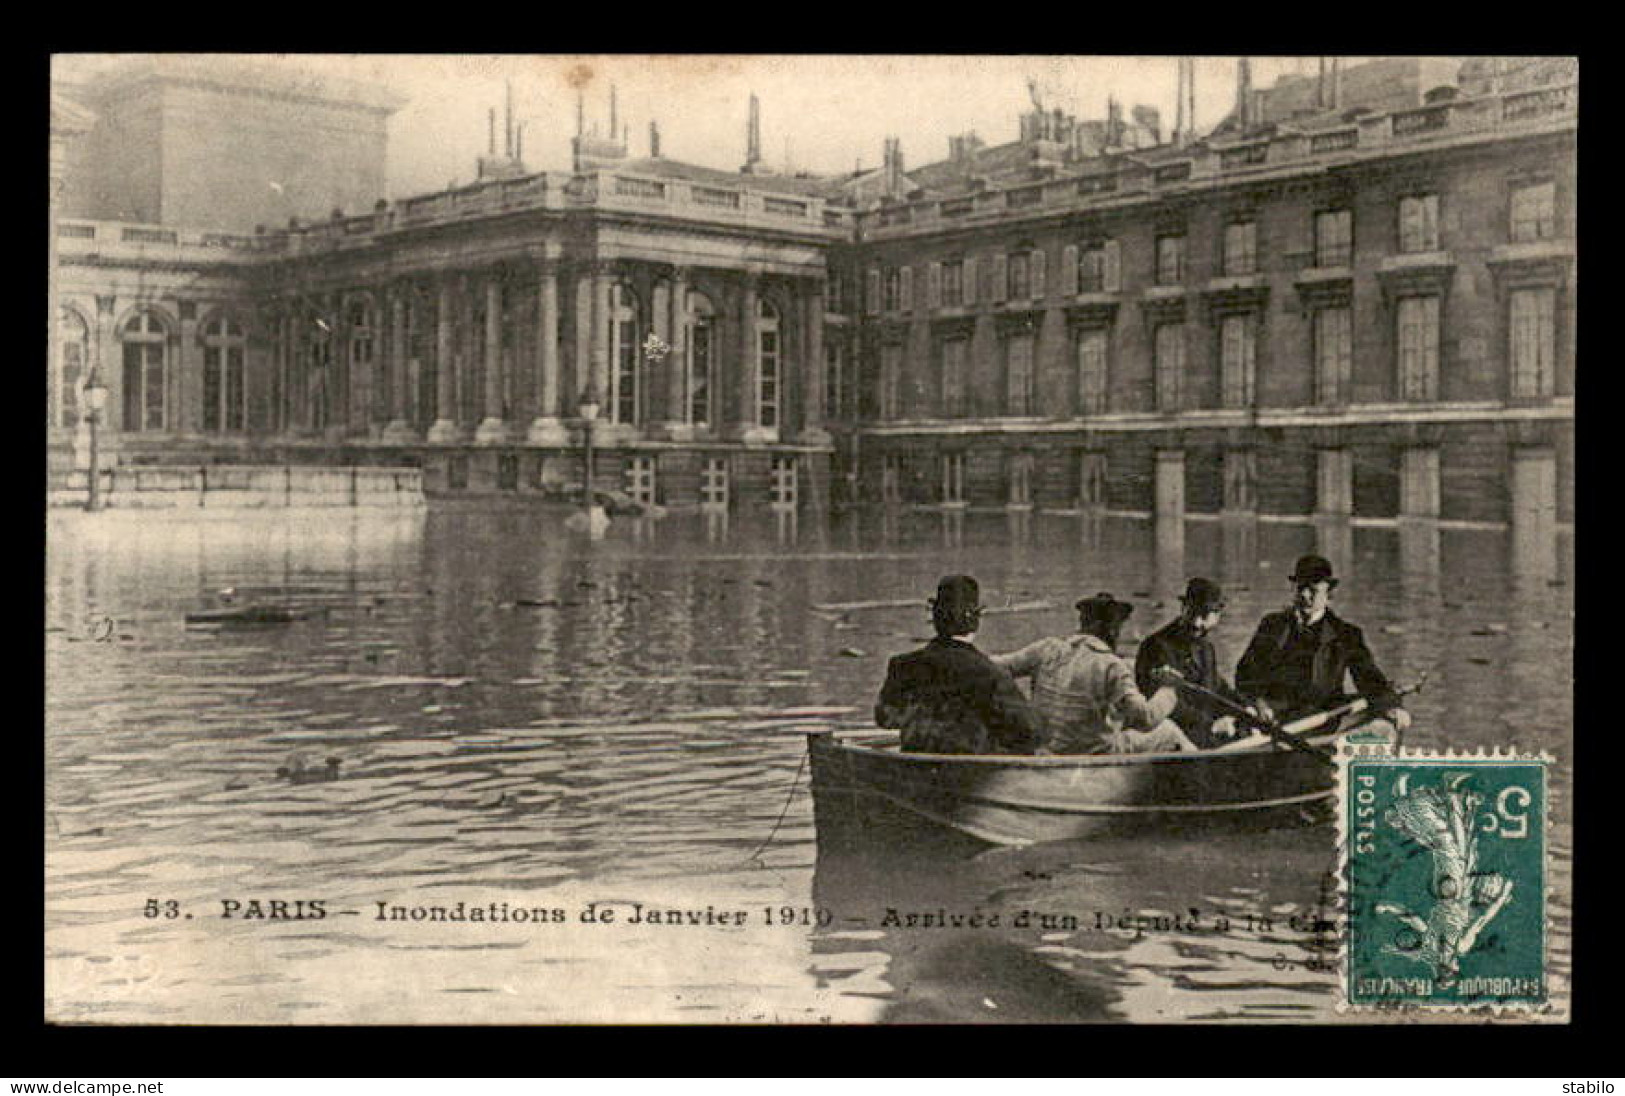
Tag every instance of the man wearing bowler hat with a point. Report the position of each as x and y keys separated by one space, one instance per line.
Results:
x=1086 y=695
x=948 y=697
x=1299 y=658
x=1183 y=646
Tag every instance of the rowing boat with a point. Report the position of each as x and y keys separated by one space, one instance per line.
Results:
x=863 y=783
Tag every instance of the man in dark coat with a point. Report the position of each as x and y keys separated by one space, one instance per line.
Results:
x=1183 y=645
x=948 y=697
x=1299 y=658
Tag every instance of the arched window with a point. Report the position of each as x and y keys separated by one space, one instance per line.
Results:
x=701 y=343
x=624 y=352
x=72 y=363
x=146 y=367
x=225 y=403
x=768 y=366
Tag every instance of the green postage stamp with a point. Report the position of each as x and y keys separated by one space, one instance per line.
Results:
x=1444 y=876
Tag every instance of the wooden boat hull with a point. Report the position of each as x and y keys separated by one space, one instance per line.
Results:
x=862 y=784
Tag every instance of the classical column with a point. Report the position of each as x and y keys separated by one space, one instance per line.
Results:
x=746 y=426
x=598 y=336
x=813 y=368
x=1169 y=510
x=676 y=424
x=1534 y=511
x=398 y=429
x=546 y=428
x=492 y=429
x=445 y=415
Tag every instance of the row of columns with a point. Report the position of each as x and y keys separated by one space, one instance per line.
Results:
x=593 y=358
x=1534 y=494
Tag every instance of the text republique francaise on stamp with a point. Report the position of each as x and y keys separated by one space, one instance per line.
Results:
x=1445 y=872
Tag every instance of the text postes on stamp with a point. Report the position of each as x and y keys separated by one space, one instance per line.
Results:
x=1445 y=875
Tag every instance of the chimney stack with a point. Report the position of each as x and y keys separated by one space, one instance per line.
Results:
x=1244 y=92
x=491 y=128
x=654 y=140
x=507 y=119
x=613 y=114
x=1337 y=83
x=753 y=135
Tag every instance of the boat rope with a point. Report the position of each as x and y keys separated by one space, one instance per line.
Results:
x=786 y=810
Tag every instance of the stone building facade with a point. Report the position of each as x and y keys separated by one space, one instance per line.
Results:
x=1323 y=308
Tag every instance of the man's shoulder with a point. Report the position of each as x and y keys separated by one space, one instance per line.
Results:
x=1280 y=618
x=1345 y=630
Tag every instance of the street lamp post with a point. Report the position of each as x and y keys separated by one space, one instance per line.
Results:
x=95 y=400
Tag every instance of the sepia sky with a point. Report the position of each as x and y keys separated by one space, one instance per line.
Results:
x=824 y=113
x=820 y=113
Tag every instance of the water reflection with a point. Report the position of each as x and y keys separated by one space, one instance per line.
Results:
x=522 y=715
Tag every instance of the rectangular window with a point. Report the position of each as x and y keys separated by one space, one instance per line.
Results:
x=835 y=292
x=953 y=284
x=1334 y=237
x=714 y=483
x=1419 y=223
x=1169 y=350
x=953 y=479
x=871 y=291
x=891 y=381
x=1018 y=268
x=767 y=380
x=640 y=479
x=1092 y=269
x=1241 y=249
x=782 y=492
x=1092 y=371
x=891 y=479
x=1238 y=340
x=1419 y=348
x=1333 y=354
x=1533 y=331
x=1534 y=212
x=833 y=386
x=894 y=289
x=1018 y=369
x=953 y=378
x=1170 y=260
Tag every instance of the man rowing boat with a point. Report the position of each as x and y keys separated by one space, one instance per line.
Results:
x=1299 y=658
x=1183 y=645
x=1086 y=695
x=948 y=697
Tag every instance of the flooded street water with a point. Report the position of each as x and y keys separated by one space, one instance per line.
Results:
x=522 y=720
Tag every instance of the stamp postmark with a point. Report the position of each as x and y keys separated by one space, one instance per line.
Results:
x=1445 y=880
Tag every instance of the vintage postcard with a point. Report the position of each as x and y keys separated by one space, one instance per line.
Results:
x=810 y=539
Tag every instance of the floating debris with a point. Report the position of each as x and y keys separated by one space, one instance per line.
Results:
x=1394 y=629
x=853 y=652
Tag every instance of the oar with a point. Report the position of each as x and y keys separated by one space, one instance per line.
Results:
x=1269 y=727
x=1314 y=722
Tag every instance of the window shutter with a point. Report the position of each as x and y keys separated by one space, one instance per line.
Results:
x=871 y=291
x=1001 y=274
x=1069 y=270
x=967 y=279
x=1112 y=275
x=905 y=290
x=1040 y=284
x=933 y=285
